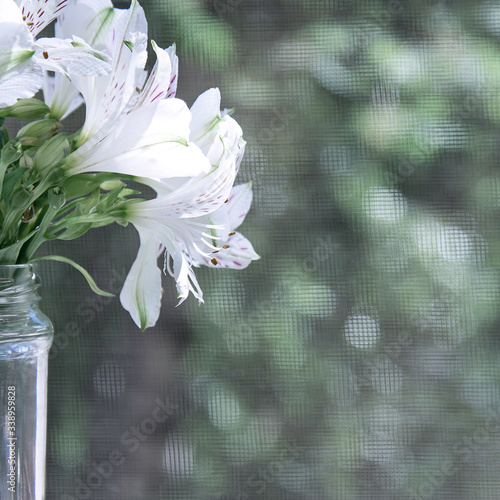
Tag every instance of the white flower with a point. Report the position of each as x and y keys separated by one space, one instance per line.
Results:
x=193 y=219
x=22 y=58
x=171 y=220
x=106 y=98
x=151 y=141
x=93 y=21
x=122 y=34
x=144 y=133
x=189 y=242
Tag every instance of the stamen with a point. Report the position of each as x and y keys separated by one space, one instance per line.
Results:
x=45 y=54
x=214 y=261
x=232 y=233
x=198 y=249
x=226 y=246
x=215 y=251
x=211 y=236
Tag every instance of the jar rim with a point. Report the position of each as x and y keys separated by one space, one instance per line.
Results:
x=16 y=279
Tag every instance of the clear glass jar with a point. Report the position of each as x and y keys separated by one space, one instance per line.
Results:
x=25 y=338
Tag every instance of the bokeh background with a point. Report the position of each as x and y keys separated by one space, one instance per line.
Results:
x=360 y=357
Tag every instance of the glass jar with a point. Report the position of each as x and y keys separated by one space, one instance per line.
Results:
x=25 y=338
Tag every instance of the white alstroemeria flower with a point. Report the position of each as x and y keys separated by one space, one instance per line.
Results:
x=151 y=142
x=121 y=33
x=172 y=221
x=189 y=217
x=208 y=126
x=92 y=21
x=107 y=98
x=189 y=242
x=22 y=58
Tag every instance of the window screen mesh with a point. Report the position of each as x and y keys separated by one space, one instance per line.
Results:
x=360 y=357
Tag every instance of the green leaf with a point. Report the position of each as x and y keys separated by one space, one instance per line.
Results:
x=4 y=136
x=11 y=152
x=77 y=186
x=85 y=273
x=11 y=179
x=108 y=201
x=72 y=232
x=87 y=204
x=9 y=254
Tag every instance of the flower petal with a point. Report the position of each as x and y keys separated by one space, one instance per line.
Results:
x=92 y=21
x=162 y=82
x=149 y=142
x=40 y=13
x=198 y=196
x=14 y=33
x=88 y=19
x=71 y=57
x=185 y=279
x=238 y=204
x=238 y=256
x=206 y=119
x=141 y=292
x=60 y=95
x=20 y=83
x=106 y=98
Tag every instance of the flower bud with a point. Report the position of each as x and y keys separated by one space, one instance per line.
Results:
x=52 y=152
x=112 y=184
x=25 y=109
x=56 y=197
x=34 y=131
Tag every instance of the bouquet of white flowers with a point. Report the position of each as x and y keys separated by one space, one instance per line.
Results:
x=58 y=186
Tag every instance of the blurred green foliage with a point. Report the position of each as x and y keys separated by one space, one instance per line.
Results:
x=359 y=357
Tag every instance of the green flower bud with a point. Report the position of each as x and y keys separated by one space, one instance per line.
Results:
x=34 y=131
x=112 y=184
x=52 y=152
x=25 y=109
x=57 y=197
x=26 y=161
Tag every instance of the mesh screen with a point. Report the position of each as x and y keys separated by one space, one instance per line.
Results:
x=359 y=357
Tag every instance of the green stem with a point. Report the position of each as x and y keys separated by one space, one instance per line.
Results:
x=39 y=236
x=13 y=217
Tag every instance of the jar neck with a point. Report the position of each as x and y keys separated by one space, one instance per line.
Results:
x=18 y=288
